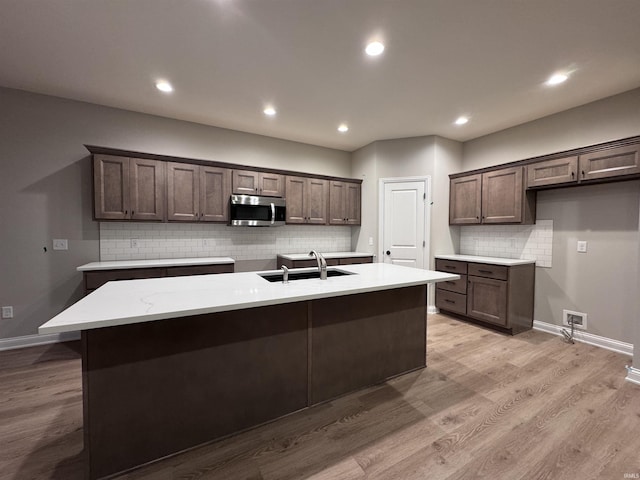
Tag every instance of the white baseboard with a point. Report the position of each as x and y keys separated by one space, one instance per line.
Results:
x=431 y=309
x=33 y=340
x=633 y=375
x=589 y=338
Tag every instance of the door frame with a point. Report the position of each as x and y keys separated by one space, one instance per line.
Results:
x=426 y=257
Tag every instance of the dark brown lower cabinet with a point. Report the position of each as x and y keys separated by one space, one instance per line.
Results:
x=156 y=388
x=331 y=262
x=496 y=295
x=96 y=278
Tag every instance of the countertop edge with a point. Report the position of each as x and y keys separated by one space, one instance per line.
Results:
x=155 y=263
x=486 y=260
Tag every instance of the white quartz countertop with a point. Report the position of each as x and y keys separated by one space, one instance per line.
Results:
x=489 y=260
x=134 y=301
x=162 y=262
x=305 y=256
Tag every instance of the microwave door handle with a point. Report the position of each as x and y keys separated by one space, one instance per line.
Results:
x=273 y=213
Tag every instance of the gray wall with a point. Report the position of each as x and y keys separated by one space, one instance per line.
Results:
x=603 y=282
x=409 y=157
x=45 y=189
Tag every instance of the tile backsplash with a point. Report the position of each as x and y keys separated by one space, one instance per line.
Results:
x=530 y=242
x=141 y=241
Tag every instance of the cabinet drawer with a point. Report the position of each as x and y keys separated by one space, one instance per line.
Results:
x=498 y=272
x=96 y=279
x=199 y=270
x=451 y=266
x=355 y=260
x=451 y=301
x=457 y=286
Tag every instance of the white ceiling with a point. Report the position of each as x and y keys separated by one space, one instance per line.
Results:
x=228 y=58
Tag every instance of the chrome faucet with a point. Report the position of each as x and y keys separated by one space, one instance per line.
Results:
x=285 y=274
x=322 y=264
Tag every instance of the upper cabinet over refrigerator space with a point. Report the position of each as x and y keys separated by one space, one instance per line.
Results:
x=495 y=197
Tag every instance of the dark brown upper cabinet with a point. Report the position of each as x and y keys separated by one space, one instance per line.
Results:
x=610 y=163
x=247 y=182
x=465 y=200
x=495 y=197
x=553 y=172
x=198 y=193
x=344 y=203
x=307 y=200
x=128 y=188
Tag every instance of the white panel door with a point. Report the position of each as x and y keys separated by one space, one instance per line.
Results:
x=404 y=223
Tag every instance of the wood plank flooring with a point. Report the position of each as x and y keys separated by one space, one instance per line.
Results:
x=487 y=406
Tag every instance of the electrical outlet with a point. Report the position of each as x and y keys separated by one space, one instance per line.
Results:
x=7 y=312
x=134 y=243
x=60 y=244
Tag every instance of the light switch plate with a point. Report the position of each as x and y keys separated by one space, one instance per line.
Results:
x=60 y=244
x=7 y=312
x=582 y=246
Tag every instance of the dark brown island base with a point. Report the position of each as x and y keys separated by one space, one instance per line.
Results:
x=156 y=388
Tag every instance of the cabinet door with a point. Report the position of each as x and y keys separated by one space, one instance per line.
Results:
x=183 y=192
x=295 y=192
x=147 y=189
x=245 y=182
x=215 y=190
x=352 y=210
x=337 y=203
x=271 y=185
x=465 y=194
x=502 y=193
x=614 y=162
x=316 y=192
x=487 y=300
x=552 y=172
x=111 y=187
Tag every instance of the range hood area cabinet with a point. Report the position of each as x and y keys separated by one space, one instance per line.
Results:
x=198 y=193
x=128 y=188
x=494 y=197
x=603 y=165
x=307 y=200
x=247 y=182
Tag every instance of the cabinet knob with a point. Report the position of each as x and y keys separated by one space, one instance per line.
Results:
x=573 y=174
x=583 y=173
x=388 y=252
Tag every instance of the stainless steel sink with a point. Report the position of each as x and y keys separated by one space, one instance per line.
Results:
x=293 y=275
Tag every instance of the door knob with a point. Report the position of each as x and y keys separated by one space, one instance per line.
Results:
x=388 y=252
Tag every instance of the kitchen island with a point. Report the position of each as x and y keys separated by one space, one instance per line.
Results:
x=171 y=363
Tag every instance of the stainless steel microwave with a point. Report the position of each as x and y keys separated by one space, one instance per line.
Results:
x=256 y=211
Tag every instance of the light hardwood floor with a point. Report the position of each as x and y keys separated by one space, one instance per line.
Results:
x=487 y=406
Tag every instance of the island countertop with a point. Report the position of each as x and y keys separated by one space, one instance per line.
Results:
x=135 y=301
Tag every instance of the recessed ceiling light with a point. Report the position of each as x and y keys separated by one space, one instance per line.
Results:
x=461 y=120
x=557 y=78
x=269 y=111
x=164 y=86
x=343 y=127
x=374 y=48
